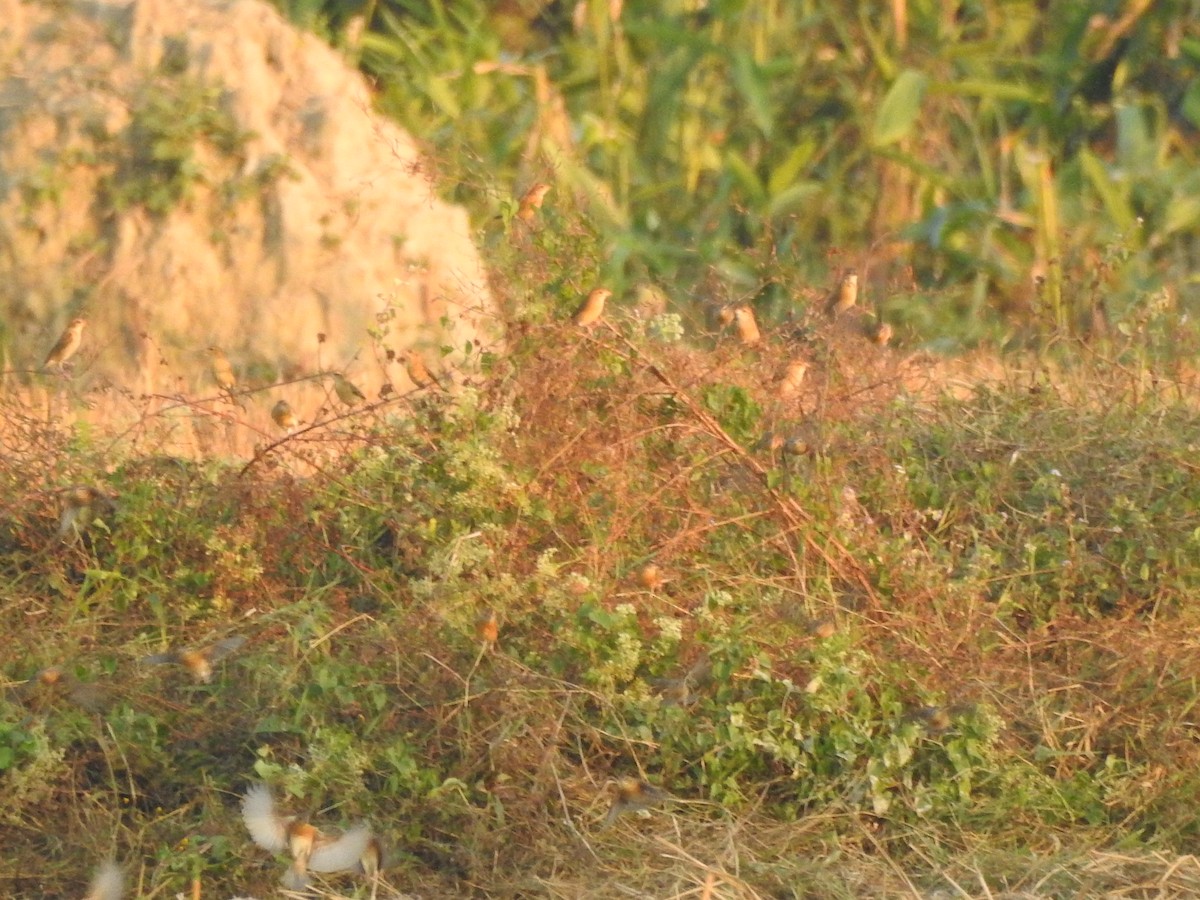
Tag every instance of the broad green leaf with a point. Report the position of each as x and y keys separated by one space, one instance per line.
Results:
x=751 y=84
x=744 y=175
x=789 y=170
x=1116 y=200
x=898 y=112
x=793 y=199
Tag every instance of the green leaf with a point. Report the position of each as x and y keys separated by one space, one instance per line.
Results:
x=1115 y=200
x=750 y=82
x=784 y=174
x=898 y=113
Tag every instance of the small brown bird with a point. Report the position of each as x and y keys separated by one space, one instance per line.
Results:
x=310 y=848
x=878 y=332
x=747 y=327
x=591 y=309
x=417 y=371
x=107 y=884
x=67 y=344
x=82 y=504
x=650 y=577
x=844 y=296
x=199 y=662
x=725 y=316
x=793 y=379
x=53 y=682
x=531 y=202
x=347 y=391
x=222 y=371
x=487 y=627
x=631 y=795
x=823 y=628
x=283 y=416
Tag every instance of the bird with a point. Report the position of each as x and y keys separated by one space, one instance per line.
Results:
x=54 y=681
x=531 y=202
x=310 y=848
x=631 y=795
x=107 y=884
x=487 y=627
x=417 y=371
x=82 y=504
x=68 y=342
x=650 y=576
x=591 y=309
x=844 y=296
x=878 y=332
x=747 y=327
x=283 y=416
x=198 y=661
x=823 y=628
x=346 y=390
x=793 y=378
x=222 y=371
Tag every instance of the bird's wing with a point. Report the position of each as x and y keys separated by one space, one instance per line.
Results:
x=343 y=853
x=225 y=646
x=258 y=812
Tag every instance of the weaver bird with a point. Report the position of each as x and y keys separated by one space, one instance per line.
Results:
x=531 y=202
x=417 y=371
x=591 y=309
x=631 y=795
x=67 y=344
x=222 y=371
x=55 y=681
x=283 y=416
x=310 y=848
x=747 y=327
x=107 y=884
x=82 y=504
x=793 y=378
x=487 y=627
x=198 y=661
x=844 y=296
x=347 y=391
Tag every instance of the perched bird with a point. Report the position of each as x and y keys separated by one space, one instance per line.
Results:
x=222 y=371
x=67 y=344
x=198 y=661
x=347 y=391
x=82 y=504
x=725 y=316
x=107 y=884
x=631 y=795
x=531 y=202
x=793 y=378
x=747 y=327
x=417 y=371
x=310 y=848
x=823 y=628
x=844 y=296
x=591 y=309
x=487 y=627
x=283 y=416
x=650 y=576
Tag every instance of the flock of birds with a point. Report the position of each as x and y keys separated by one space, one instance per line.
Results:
x=358 y=849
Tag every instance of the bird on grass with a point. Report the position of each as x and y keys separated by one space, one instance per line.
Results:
x=531 y=202
x=199 y=662
x=878 y=332
x=650 y=576
x=632 y=794
x=82 y=504
x=107 y=884
x=346 y=390
x=487 y=628
x=793 y=379
x=67 y=344
x=311 y=849
x=591 y=309
x=747 y=327
x=418 y=372
x=283 y=416
x=844 y=296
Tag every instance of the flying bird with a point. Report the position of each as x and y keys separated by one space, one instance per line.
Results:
x=199 y=662
x=67 y=344
x=311 y=849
